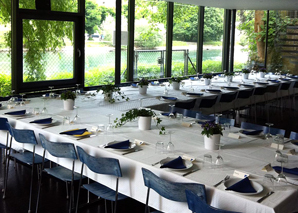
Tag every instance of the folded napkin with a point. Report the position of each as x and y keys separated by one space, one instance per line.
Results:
x=193 y=93
x=20 y=112
x=74 y=132
x=293 y=171
x=294 y=77
x=192 y=78
x=177 y=163
x=285 y=79
x=134 y=85
x=262 y=82
x=42 y=121
x=169 y=98
x=248 y=85
x=154 y=84
x=168 y=113
x=204 y=121
x=231 y=87
x=5 y=98
x=253 y=132
x=120 y=145
x=274 y=81
x=243 y=186
x=214 y=90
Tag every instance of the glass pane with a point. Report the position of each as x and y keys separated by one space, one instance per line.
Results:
x=56 y=5
x=99 y=47
x=48 y=50
x=150 y=39
x=213 y=35
x=185 y=36
x=282 y=54
x=124 y=38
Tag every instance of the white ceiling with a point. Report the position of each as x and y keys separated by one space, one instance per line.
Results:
x=245 y=4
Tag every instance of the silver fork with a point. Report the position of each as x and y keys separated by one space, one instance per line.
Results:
x=225 y=179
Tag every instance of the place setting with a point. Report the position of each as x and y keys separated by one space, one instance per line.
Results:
x=79 y=133
x=19 y=114
x=123 y=146
x=45 y=122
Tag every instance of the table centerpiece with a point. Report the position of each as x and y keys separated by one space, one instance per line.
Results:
x=212 y=133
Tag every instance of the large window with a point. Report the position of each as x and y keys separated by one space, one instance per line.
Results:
x=212 y=38
x=5 y=59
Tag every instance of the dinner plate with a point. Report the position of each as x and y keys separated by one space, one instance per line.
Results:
x=131 y=146
x=188 y=164
x=258 y=187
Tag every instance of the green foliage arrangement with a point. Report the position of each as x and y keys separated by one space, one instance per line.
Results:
x=229 y=73
x=68 y=95
x=143 y=82
x=245 y=71
x=262 y=70
x=109 y=89
x=207 y=75
x=133 y=114
x=211 y=128
x=176 y=79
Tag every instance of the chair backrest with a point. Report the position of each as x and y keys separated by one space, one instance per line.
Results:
x=272 y=88
x=196 y=204
x=294 y=135
x=227 y=120
x=274 y=131
x=246 y=125
x=3 y=125
x=208 y=102
x=295 y=85
x=171 y=190
x=204 y=117
x=285 y=86
x=186 y=104
x=22 y=135
x=244 y=94
x=58 y=149
x=108 y=166
x=259 y=91
x=228 y=97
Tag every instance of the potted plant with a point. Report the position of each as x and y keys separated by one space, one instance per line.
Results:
x=108 y=91
x=143 y=86
x=207 y=77
x=175 y=82
x=68 y=98
x=262 y=72
x=144 y=122
x=212 y=133
x=245 y=73
x=229 y=76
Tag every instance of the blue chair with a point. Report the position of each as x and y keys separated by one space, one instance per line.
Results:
x=60 y=150
x=273 y=131
x=3 y=127
x=186 y=104
x=106 y=166
x=30 y=158
x=294 y=135
x=208 y=103
x=223 y=120
x=227 y=98
x=196 y=204
x=170 y=190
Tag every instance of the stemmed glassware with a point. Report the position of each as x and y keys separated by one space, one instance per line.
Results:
x=279 y=139
x=110 y=126
x=76 y=118
x=191 y=89
x=44 y=109
x=171 y=115
x=22 y=102
x=282 y=159
x=166 y=92
x=219 y=159
x=51 y=94
x=170 y=146
x=268 y=135
x=78 y=91
x=141 y=103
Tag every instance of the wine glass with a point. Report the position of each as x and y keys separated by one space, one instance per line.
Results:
x=279 y=139
x=51 y=94
x=171 y=115
x=191 y=89
x=170 y=146
x=78 y=91
x=282 y=159
x=268 y=135
x=22 y=102
x=219 y=159
x=110 y=126
x=166 y=92
x=76 y=118
x=141 y=103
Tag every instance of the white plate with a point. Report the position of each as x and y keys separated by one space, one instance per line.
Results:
x=188 y=164
x=258 y=187
x=131 y=146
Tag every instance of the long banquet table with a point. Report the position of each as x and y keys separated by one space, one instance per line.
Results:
x=247 y=154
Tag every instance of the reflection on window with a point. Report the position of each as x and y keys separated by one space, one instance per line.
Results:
x=56 y=5
x=48 y=50
x=213 y=35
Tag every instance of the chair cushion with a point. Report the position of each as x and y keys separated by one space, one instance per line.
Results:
x=103 y=191
x=26 y=157
x=62 y=173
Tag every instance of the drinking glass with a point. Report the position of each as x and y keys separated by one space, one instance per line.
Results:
x=76 y=118
x=100 y=129
x=191 y=89
x=78 y=91
x=36 y=111
x=170 y=145
x=208 y=161
x=159 y=147
x=279 y=139
x=282 y=159
x=141 y=103
x=171 y=115
x=219 y=159
x=51 y=94
x=22 y=102
x=110 y=126
x=227 y=126
x=166 y=92
x=269 y=181
x=268 y=135
x=44 y=109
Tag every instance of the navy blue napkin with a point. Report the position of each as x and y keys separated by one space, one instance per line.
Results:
x=248 y=85
x=204 y=121
x=177 y=163
x=20 y=112
x=193 y=93
x=5 y=98
x=42 y=121
x=253 y=132
x=134 y=85
x=120 y=145
x=214 y=90
x=169 y=98
x=294 y=77
x=262 y=83
x=231 y=87
x=293 y=171
x=285 y=79
x=274 y=81
x=154 y=84
x=192 y=78
x=74 y=132
x=168 y=113
x=243 y=186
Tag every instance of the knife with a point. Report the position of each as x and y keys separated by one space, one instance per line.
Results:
x=265 y=196
x=191 y=171
x=131 y=151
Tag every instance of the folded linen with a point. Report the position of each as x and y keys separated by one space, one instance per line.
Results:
x=168 y=113
x=19 y=112
x=254 y=132
x=74 y=132
x=285 y=79
x=214 y=90
x=231 y=88
x=177 y=163
x=194 y=93
x=293 y=171
x=242 y=186
x=120 y=145
x=169 y=98
x=42 y=121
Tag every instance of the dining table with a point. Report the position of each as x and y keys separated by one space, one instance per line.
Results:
x=242 y=154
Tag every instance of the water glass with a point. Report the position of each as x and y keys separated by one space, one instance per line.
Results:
x=159 y=147
x=66 y=120
x=36 y=111
x=101 y=128
x=208 y=161
x=179 y=117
